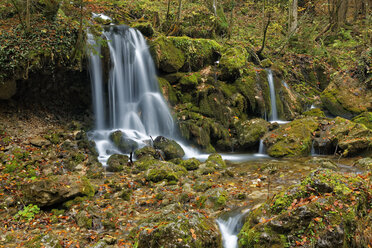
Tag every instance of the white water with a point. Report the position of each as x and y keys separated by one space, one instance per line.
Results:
x=135 y=105
x=274 y=112
x=230 y=228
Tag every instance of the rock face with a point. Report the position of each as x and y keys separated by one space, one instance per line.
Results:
x=291 y=139
x=250 y=132
x=170 y=148
x=311 y=209
x=7 y=89
x=178 y=230
x=56 y=189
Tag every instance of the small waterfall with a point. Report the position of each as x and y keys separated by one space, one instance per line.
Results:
x=274 y=112
x=136 y=107
x=261 y=148
x=230 y=228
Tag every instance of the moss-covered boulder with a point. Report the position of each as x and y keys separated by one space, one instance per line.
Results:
x=232 y=63
x=365 y=119
x=291 y=139
x=124 y=144
x=183 y=53
x=216 y=159
x=165 y=171
x=117 y=162
x=170 y=148
x=189 y=81
x=343 y=136
x=216 y=198
x=146 y=151
x=166 y=56
x=365 y=163
x=346 y=97
x=324 y=210
x=168 y=229
x=56 y=189
x=250 y=132
x=315 y=112
x=190 y=164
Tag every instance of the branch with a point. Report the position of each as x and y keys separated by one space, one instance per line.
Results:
x=259 y=53
x=18 y=13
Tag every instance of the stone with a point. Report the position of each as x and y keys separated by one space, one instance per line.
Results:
x=39 y=141
x=232 y=62
x=250 y=132
x=190 y=164
x=124 y=144
x=117 y=162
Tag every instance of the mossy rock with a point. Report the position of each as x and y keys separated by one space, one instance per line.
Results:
x=145 y=28
x=315 y=112
x=346 y=97
x=145 y=163
x=190 y=164
x=232 y=63
x=291 y=139
x=365 y=119
x=217 y=160
x=250 y=132
x=168 y=229
x=117 y=162
x=170 y=148
x=305 y=209
x=189 y=82
x=165 y=171
x=146 y=151
x=124 y=144
x=43 y=240
x=84 y=220
x=169 y=92
x=166 y=56
x=365 y=163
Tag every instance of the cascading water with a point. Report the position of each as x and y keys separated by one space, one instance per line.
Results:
x=135 y=105
x=274 y=112
x=230 y=228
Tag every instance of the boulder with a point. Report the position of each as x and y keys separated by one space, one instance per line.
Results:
x=190 y=164
x=117 y=162
x=145 y=28
x=315 y=112
x=217 y=160
x=250 y=132
x=39 y=141
x=178 y=230
x=124 y=144
x=165 y=171
x=56 y=189
x=364 y=163
x=315 y=212
x=146 y=151
x=291 y=139
x=232 y=63
x=170 y=148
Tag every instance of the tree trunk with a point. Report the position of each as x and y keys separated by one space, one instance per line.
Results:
x=168 y=9
x=231 y=18
x=215 y=8
x=342 y=12
x=293 y=16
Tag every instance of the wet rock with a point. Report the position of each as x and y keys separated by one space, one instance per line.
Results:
x=178 y=230
x=170 y=148
x=117 y=162
x=39 y=141
x=250 y=132
x=56 y=189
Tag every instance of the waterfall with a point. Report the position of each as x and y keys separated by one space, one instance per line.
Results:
x=135 y=104
x=274 y=112
x=230 y=228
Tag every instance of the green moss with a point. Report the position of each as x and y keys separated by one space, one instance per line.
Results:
x=232 y=63
x=365 y=119
x=189 y=81
x=191 y=164
x=315 y=112
x=169 y=92
x=87 y=189
x=217 y=160
x=160 y=174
